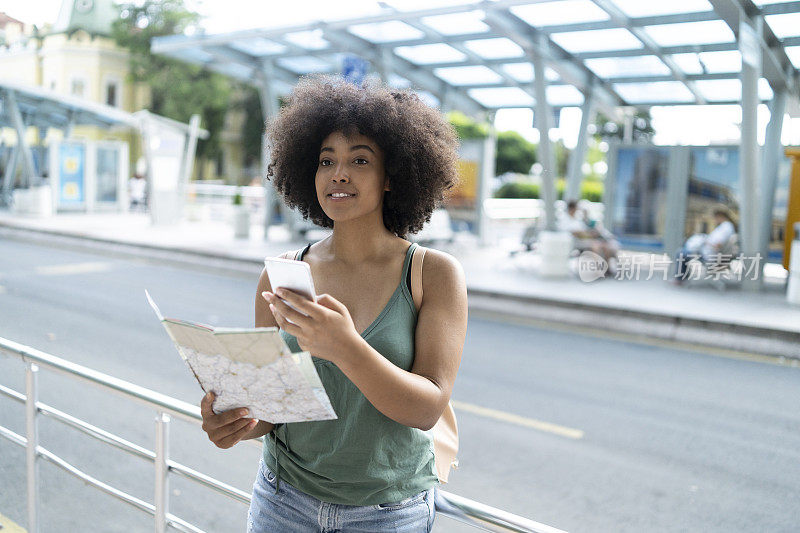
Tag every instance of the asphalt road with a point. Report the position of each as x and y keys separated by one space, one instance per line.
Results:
x=582 y=432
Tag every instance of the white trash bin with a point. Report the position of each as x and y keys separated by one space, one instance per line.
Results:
x=793 y=290
x=554 y=249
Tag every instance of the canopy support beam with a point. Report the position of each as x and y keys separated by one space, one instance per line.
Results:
x=25 y=150
x=578 y=156
x=487 y=175
x=748 y=150
x=269 y=109
x=770 y=160
x=546 y=156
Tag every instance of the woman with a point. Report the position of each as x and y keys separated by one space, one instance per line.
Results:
x=371 y=163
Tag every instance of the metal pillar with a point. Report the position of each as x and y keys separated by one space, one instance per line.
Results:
x=546 y=155
x=748 y=151
x=187 y=165
x=384 y=64
x=41 y=136
x=488 y=155
x=770 y=159
x=269 y=109
x=32 y=445
x=25 y=150
x=627 y=130
x=10 y=175
x=578 y=156
x=161 y=497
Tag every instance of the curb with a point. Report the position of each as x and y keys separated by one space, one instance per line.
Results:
x=664 y=326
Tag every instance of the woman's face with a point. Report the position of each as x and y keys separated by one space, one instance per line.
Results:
x=350 y=179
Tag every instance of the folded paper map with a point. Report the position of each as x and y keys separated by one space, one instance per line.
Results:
x=250 y=368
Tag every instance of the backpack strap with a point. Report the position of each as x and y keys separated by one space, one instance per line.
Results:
x=416 y=276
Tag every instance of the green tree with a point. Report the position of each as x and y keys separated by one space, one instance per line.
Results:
x=514 y=153
x=178 y=89
x=253 y=125
x=466 y=127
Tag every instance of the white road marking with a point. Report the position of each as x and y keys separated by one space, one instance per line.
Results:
x=73 y=268
x=547 y=427
x=9 y=526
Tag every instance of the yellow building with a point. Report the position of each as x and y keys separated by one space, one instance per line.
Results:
x=78 y=57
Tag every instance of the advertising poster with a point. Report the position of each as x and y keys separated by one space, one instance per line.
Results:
x=639 y=209
x=107 y=174
x=713 y=184
x=72 y=169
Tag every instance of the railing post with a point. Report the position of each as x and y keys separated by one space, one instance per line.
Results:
x=31 y=449
x=162 y=471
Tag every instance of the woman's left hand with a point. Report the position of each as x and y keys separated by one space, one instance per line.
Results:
x=325 y=328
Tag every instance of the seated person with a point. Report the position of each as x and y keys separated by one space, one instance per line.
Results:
x=704 y=247
x=589 y=235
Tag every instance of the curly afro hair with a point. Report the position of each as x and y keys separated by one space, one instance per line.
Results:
x=419 y=145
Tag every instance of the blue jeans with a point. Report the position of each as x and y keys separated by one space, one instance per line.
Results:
x=291 y=510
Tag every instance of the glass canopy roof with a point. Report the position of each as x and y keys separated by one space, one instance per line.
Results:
x=478 y=56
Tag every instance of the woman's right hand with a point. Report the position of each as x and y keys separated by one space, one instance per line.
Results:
x=228 y=428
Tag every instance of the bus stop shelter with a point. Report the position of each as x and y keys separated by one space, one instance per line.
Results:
x=24 y=106
x=616 y=56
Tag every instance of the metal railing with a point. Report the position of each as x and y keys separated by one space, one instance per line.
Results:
x=456 y=507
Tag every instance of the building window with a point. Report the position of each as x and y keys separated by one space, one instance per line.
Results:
x=78 y=88
x=112 y=94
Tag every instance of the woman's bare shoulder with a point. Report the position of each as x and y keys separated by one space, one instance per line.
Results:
x=440 y=270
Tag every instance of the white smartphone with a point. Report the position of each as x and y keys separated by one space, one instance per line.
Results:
x=292 y=275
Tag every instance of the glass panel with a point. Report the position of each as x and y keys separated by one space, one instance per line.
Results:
x=414 y=5
x=468 y=75
x=787 y=25
x=615 y=67
x=196 y=55
x=560 y=12
x=495 y=48
x=564 y=95
x=640 y=8
x=107 y=173
x=235 y=70
x=386 y=32
x=655 y=92
x=304 y=65
x=430 y=53
x=720 y=90
x=258 y=47
x=764 y=90
x=428 y=98
x=502 y=97
x=688 y=63
x=705 y=32
x=597 y=40
x=457 y=23
x=310 y=40
x=398 y=82
x=523 y=72
x=794 y=55
x=716 y=62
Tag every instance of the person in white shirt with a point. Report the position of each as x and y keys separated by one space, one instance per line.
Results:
x=589 y=235
x=137 y=189
x=705 y=248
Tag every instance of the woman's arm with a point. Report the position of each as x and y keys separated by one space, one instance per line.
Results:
x=414 y=398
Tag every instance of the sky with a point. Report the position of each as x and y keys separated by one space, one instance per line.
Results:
x=715 y=123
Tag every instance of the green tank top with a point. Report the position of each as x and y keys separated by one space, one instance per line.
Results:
x=363 y=457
